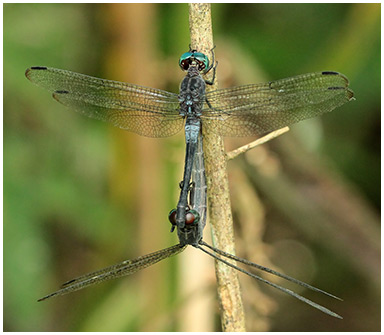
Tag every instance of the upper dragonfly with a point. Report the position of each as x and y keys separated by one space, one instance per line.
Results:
x=238 y=111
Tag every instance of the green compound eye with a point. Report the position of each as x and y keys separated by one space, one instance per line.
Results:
x=188 y=58
x=202 y=59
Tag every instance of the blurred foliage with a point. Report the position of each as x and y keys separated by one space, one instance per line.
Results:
x=60 y=216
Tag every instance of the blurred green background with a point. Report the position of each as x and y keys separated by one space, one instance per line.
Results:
x=80 y=195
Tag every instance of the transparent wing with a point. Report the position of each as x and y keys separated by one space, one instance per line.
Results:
x=145 y=111
x=261 y=108
x=283 y=289
x=125 y=268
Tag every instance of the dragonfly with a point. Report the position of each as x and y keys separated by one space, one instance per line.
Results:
x=190 y=234
x=238 y=111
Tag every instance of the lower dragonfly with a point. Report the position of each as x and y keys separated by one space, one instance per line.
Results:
x=238 y=111
x=190 y=234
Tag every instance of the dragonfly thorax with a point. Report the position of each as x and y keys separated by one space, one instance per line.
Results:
x=192 y=231
x=192 y=93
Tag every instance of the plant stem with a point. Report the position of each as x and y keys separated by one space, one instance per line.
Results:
x=232 y=312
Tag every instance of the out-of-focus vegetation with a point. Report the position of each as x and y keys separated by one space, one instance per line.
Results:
x=80 y=195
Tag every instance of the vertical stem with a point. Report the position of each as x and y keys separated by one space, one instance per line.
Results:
x=232 y=312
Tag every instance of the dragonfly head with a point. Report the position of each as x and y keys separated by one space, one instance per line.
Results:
x=194 y=58
x=191 y=232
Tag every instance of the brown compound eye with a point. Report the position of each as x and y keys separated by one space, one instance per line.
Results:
x=201 y=66
x=192 y=217
x=184 y=64
x=172 y=217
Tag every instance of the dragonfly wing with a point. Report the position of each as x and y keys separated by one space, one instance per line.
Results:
x=145 y=111
x=261 y=108
x=125 y=268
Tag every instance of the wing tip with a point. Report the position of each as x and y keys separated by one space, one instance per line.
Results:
x=335 y=73
x=34 y=68
x=45 y=298
x=350 y=94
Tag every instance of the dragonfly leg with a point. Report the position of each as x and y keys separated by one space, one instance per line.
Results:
x=190 y=185
x=210 y=82
x=208 y=103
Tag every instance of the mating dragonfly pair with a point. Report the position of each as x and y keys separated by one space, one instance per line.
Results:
x=238 y=111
